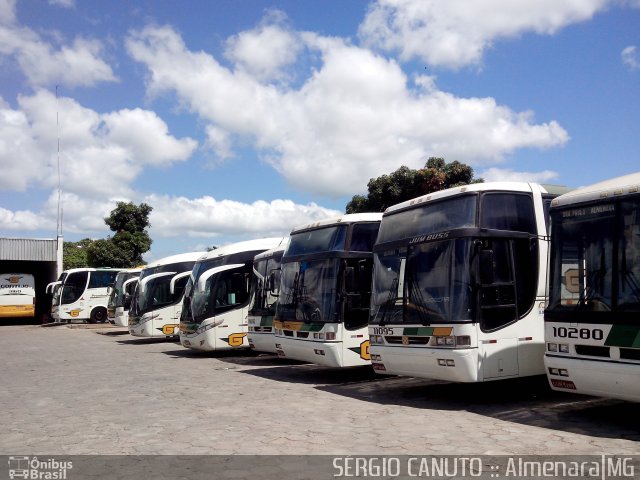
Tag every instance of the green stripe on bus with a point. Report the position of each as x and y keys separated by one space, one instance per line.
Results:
x=623 y=336
x=418 y=331
x=311 y=327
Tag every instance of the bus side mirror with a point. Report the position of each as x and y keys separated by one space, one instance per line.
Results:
x=274 y=282
x=487 y=267
x=127 y=301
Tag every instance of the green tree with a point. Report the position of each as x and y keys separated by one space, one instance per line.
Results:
x=74 y=254
x=405 y=184
x=130 y=241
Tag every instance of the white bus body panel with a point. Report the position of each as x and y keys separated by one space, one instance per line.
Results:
x=592 y=377
x=162 y=322
x=17 y=295
x=513 y=351
x=261 y=341
x=611 y=376
x=229 y=332
x=350 y=349
x=121 y=317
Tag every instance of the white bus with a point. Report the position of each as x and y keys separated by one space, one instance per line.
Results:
x=459 y=283
x=17 y=295
x=217 y=298
x=120 y=295
x=592 y=323
x=157 y=301
x=265 y=292
x=82 y=295
x=325 y=291
x=53 y=289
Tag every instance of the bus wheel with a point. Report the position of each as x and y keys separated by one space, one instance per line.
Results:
x=98 y=315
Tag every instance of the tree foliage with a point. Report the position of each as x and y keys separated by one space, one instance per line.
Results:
x=131 y=239
x=405 y=184
x=74 y=254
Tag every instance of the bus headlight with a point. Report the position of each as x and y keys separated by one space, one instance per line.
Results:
x=552 y=347
x=563 y=347
x=446 y=341
x=463 y=341
x=330 y=336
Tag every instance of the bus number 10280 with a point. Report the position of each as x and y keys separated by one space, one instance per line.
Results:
x=582 y=333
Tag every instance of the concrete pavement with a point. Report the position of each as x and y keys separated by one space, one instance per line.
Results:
x=77 y=391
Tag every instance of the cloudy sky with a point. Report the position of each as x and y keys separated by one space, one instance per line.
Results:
x=237 y=119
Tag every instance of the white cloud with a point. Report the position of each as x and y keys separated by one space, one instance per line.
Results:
x=77 y=64
x=630 y=57
x=7 y=12
x=509 y=175
x=22 y=158
x=208 y=217
x=357 y=116
x=265 y=51
x=100 y=154
x=172 y=217
x=454 y=33
x=63 y=3
x=24 y=220
x=147 y=137
x=219 y=141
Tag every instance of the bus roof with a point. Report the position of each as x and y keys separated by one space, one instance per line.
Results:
x=613 y=188
x=131 y=270
x=258 y=244
x=274 y=251
x=92 y=269
x=339 y=220
x=181 y=257
x=477 y=187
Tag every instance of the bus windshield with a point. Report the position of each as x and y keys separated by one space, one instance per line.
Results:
x=156 y=292
x=596 y=258
x=73 y=288
x=216 y=288
x=424 y=284
x=265 y=287
x=116 y=299
x=320 y=240
x=308 y=291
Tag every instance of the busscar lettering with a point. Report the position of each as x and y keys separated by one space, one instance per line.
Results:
x=427 y=238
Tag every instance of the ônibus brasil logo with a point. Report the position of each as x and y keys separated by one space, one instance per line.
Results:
x=33 y=468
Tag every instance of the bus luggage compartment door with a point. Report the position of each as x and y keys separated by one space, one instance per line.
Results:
x=499 y=358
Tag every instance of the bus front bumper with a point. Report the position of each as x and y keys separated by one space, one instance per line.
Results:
x=328 y=354
x=590 y=377
x=456 y=365
x=262 y=342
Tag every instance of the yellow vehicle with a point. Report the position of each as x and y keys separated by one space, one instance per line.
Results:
x=17 y=295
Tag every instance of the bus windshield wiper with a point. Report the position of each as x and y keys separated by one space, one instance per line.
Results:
x=392 y=299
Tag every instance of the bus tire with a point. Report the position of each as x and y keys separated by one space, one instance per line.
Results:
x=98 y=315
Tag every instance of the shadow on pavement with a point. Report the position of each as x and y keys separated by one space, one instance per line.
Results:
x=243 y=357
x=527 y=401
x=315 y=374
x=145 y=341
